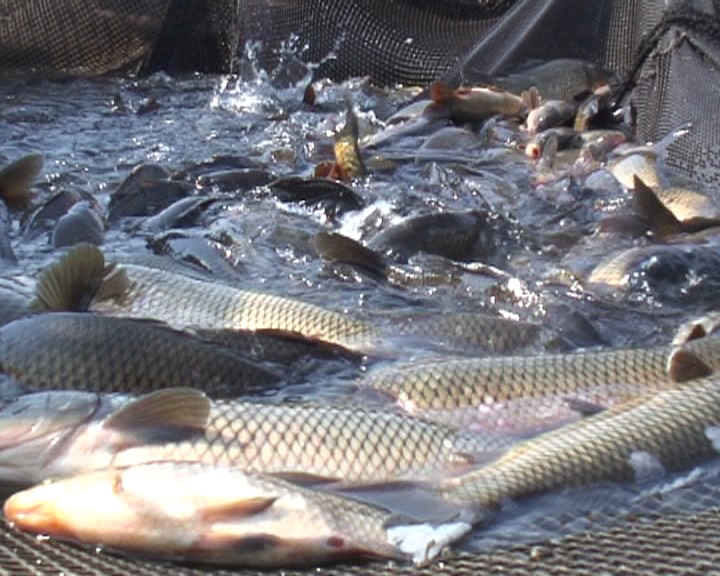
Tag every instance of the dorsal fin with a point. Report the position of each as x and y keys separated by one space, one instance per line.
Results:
x=165 y=415
x=338 y=248
x=647 y=204
x=683 y=365
x=178 y=407
x=71 y=283
x=16 y=178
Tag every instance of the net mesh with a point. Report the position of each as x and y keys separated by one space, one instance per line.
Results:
x=670 y=52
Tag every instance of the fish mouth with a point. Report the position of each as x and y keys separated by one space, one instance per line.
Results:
x=25 y=512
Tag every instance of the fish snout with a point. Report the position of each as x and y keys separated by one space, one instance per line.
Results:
x=24 y=510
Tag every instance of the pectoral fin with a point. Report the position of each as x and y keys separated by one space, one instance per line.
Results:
x=683 y=365
x=165 y=415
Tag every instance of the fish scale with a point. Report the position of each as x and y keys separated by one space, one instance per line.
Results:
x=672 y=426
x=349 y=444
x=186 y=302
x=523 y=393
x=100 y=354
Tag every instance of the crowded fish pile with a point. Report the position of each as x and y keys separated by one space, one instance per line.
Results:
x=255 y=325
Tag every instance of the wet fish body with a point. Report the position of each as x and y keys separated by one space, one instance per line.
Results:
x=345 y=444
x=668 y=273
x=549 y=114
x=53 y=434
x=168 y=510
x=644 y=438
x=103 y=354
x=187 y=302
x=348 y=162
x=524 y=395
x=477 y=104
x=559 y=79
x=462 y=236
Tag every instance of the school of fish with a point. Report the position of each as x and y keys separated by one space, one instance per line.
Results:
x=155 y=406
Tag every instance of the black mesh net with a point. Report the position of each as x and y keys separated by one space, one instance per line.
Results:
x=669 y=53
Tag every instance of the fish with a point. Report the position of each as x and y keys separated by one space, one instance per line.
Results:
x=212 y=514
x=549 y=114
x=81 y=224
x=558 y=79
x=146 y=191
x=461 y=236
x=189 y=302
x=523 y=395
x=348 y=162
x=628 y=161
x=343 y=445
x=333 y=197
x=53 y=434
x=16 y=178
x=597 y=103
x=561 y=136
x=476 y=104
x=94 y=353
x=644 y=438
x=680 y=273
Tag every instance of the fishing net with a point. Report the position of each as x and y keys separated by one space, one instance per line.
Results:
x=667 y=54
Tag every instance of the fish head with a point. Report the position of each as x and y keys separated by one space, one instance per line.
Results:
x=92 y=508
x=34 y=428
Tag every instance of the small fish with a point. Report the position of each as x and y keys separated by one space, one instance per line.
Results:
x=524 y=394
x=210 y=514
x=562 y=137
x=549 y=114
x=16 y=178
x=146 y=191
x=668 y=431
x=477 y=104
x=81 y=224
x=629 y=161
x=333 y=197
x=598 y=102
x=348 y=162
x=649 y=207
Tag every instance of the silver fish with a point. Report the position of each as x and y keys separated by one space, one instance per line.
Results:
x=211 y=514
x=52 y=434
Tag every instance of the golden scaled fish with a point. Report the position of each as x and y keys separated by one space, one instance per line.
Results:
x=527 y=394
x=189 y=302
x=211 y=514
x=636 y=441
x=59 y=433
x=348 y=445
x=348 y=162
x=96 y=353
x=472 y=105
